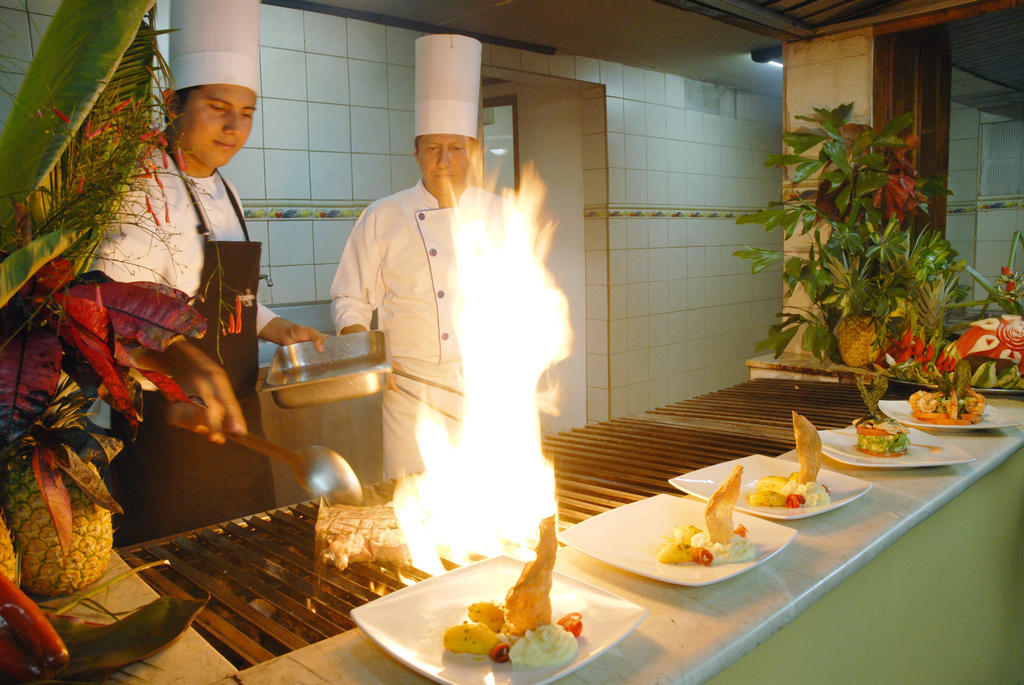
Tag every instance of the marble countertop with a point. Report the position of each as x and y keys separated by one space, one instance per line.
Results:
x=693 y=633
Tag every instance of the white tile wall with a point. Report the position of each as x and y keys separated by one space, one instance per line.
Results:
x=670 y=313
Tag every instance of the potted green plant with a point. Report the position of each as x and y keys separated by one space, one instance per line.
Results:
x=871 y=248
x=79 y=128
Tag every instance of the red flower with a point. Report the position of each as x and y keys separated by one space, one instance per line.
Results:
x=1006 y=271
x=1010 y=285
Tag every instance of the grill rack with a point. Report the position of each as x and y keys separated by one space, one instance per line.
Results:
x=266 y=599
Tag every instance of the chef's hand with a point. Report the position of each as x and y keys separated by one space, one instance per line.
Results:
x=215 y=409
x=284 y=332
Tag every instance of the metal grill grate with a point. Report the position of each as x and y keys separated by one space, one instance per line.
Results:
x=266 y=599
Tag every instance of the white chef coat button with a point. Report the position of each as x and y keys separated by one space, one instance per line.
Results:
x=421 y=216
x=440 y=293
x=444 y=336
x=433 y=252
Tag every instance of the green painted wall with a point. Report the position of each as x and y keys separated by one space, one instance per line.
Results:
x=944 y=604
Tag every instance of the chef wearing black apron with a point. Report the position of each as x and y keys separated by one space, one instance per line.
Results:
x=192 y=235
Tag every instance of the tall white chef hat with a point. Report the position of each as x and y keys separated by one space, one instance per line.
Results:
x=447 y=84
x=217 y=41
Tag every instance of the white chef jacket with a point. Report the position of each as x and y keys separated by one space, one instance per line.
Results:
x=400 y=260
x=160 y=242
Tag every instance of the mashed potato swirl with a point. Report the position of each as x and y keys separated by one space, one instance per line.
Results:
x=544 y=646
x=738 y=548
x=813 y=493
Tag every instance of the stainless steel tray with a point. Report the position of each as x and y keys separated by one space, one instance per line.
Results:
x=351 y=366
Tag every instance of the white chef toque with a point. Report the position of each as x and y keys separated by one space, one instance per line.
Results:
x=217 y=41
x=447 y=85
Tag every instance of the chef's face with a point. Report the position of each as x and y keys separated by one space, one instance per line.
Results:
x=214 y=123
x=444 y=161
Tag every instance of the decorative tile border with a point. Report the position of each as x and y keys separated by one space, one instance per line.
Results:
x=271 y=209
x=275 y=210
x=621 y=212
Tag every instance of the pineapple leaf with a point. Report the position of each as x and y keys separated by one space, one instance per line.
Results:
x=55 y=493
x=88 y=480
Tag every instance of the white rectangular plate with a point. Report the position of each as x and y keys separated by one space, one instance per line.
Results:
x=925 y=450
x=703 y=483
x=409 y=623
x=630 y=536
x=991 y=418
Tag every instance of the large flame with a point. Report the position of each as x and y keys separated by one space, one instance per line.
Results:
x=485 y=491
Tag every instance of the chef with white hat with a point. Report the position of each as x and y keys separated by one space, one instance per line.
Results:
x=187 y=230
x=400 y=257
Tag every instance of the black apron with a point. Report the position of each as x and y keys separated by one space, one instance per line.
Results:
x=169 y=479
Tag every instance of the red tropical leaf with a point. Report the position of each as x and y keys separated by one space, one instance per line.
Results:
x=51 y=277
x=150 y=314
x=164 y=384
x=55 y=494
x=83 y=329
x=29 y=372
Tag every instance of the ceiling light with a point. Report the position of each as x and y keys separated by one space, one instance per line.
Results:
x=772 y=55
x=498 y=151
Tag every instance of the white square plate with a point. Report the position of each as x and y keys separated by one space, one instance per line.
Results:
x=924 y=450
x=409 y=623
x=630 y=536
x=991 y=418
x=703 y=483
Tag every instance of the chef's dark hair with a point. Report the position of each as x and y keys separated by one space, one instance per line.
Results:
x=176 y=103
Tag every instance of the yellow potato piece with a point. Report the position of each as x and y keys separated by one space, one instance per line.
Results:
x=770 y=484
x=685 y=533
x=675 y=553
x=488 y=613
x=766 y=499
x=470 y=638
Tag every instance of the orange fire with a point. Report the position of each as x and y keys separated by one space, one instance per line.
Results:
x=485 y=491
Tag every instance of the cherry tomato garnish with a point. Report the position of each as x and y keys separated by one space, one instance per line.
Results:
x=741 y=530
x=500 y=652
x=794 y=501
x=702 y=556
x=573 y=623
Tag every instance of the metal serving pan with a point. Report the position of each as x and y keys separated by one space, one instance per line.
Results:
x=351 y=366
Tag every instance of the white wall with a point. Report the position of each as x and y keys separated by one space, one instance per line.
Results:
x=550 y=135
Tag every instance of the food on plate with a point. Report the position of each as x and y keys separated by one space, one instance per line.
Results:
x=723 y=542
x=471 y=638
x=528 y=602
x=543 y=646
x=779 y=491
x=801 y=488
x=345 y=534
x=490 y=614
x=877 y=434
x=520 y=631
x=955 y=403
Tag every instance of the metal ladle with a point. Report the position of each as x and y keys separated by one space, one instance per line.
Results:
x=319 y=470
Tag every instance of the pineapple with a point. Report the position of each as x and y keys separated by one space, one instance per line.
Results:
x=858 y=339
x=45 y=569
x=61 y=447
x=8 y=557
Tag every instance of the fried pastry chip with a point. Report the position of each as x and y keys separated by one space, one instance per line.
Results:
x=808 y=448
x=528 y=602
x=718 y=513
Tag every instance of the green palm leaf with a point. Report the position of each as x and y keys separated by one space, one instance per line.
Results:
x=73 y=64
